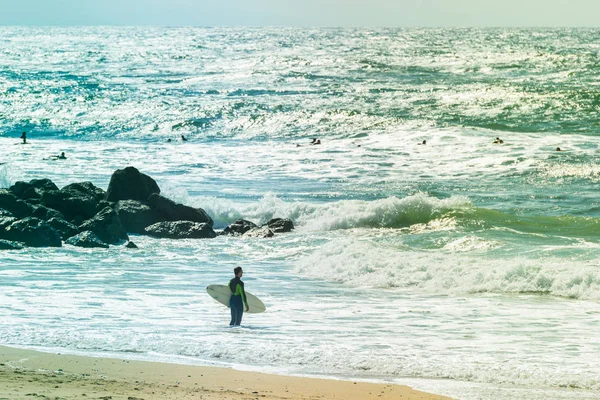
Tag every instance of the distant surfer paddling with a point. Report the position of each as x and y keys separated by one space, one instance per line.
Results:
x=60 y=157
x=238 y=297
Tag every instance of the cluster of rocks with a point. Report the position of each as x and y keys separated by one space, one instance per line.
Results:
x=39 y=214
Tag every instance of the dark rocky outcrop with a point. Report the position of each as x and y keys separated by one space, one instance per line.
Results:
x=74 y=206
x=131 y=245
x=107 y=225
x=85 y=189
x=33 y=188
x=262 y=232
x=43 y=185
x=135 y=215
x=280 y=225
x=168 y=210
x=20 y=188
x=87 y=239
x=25 y=191
x=65 y=229
x=181 y=230
x=130 y=184
x=33 y=232
x=10 y=245
x=14 y=205
x=44 y=213
x=38 y=213
x=239 y=227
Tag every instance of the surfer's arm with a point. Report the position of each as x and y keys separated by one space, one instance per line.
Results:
x=243 y=294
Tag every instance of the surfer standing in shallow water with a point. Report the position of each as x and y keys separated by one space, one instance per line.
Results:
x=238 y=297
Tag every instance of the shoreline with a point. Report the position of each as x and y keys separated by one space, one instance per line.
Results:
x=26 y=374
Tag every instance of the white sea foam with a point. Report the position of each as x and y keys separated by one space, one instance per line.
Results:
x=390 y=212
x=454 y=270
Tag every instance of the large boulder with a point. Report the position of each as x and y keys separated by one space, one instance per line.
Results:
x=20 y=188
x=130 y=184
x=168 y=210
x=87 y=239
x=43 y=184
x=107 y=225
x=135 y=215
x=85 y=189
x=280 y=225
x=262 y=232
x=65 y=229
x=9 y=245
x=44 y=213
x=239 y=227
x=33 y=188
x=16 y=206
x=76 y=207
x=25 y=191
x=181 y=230
x=33 y=232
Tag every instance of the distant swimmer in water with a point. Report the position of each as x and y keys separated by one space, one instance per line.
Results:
x=183 y=139
x=423 y=143
x=312 y=142
x=24 y=137
x=60 y=157
x=558 y=149
x=498 y=141
x=168 y=140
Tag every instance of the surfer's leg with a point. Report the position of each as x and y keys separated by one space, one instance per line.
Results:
x=240 y=313
x=233 y=316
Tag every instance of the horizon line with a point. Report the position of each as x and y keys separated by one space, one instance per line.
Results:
x=302 y=26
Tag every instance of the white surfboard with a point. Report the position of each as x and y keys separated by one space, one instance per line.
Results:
x=222 y=294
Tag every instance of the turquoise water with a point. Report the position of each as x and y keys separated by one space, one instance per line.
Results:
x=460 y=266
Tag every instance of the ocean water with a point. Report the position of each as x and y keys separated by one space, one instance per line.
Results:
x=462 y=267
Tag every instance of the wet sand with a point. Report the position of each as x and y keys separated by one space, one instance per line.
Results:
x=34 y=375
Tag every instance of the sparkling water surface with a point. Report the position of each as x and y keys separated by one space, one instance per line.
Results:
x=461 y=266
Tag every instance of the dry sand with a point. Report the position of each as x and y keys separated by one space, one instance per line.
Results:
x=33 y=375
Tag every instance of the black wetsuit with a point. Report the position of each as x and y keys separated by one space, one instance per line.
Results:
x=237 y=300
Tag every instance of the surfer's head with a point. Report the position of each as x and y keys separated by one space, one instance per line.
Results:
x=238 y=271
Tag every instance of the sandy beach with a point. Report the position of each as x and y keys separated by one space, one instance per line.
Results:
x=26 y=374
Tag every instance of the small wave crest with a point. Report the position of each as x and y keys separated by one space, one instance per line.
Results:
x=391 y=212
